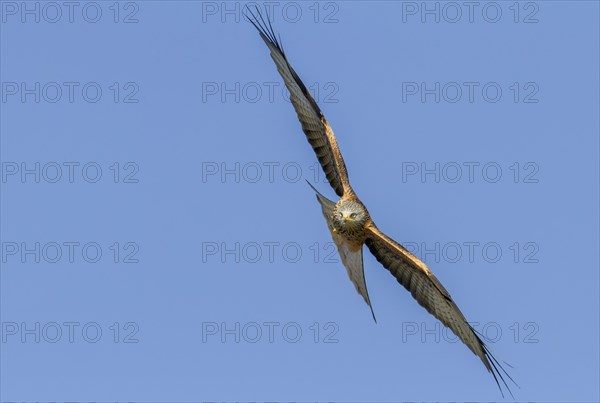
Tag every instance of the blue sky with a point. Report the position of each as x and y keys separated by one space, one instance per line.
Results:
x=159 y=241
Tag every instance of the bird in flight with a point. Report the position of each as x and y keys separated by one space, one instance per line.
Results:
x=350 y=223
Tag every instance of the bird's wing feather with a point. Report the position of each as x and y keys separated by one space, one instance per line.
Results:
x=351 y=255
x=416 y=277
x=315 y=126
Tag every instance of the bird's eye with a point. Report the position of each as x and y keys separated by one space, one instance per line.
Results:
x=353 y=215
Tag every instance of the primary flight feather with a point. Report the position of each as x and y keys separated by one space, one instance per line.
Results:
x=350 y=223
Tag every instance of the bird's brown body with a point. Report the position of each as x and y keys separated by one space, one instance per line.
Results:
x=351 y=225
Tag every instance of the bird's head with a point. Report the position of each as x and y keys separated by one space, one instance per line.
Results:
x=350 y=214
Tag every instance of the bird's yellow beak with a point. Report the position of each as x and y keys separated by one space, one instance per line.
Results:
x=345 y=217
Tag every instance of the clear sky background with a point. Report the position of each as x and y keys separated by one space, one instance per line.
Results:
x=159 y=241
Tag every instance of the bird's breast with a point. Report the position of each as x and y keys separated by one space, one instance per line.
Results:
x=355 y=234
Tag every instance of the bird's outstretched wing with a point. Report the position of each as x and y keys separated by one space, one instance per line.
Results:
x=416 y=277
x=351 y=255
x=315 y=126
